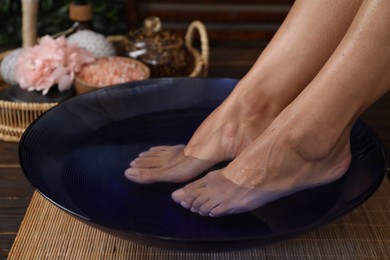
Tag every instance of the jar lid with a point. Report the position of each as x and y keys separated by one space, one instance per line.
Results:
x=80 y=12
x=152 y=36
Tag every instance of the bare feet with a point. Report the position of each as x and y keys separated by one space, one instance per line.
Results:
x=269 y=87
x=274 y=166
x=166 y=164
x=305 y=147
x=221 y=137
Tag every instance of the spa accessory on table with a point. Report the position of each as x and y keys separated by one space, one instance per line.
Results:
x=17 y=112
x=81 y=170
x=29 y=22
x=15 y=117
x=166 y=54
x=110 y=71
x=44 y=75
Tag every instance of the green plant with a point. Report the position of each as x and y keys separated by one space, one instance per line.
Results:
x=109 y=18
x=11 y=14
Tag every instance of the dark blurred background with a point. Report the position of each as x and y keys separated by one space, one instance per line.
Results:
x=109 y=18
x=228 y=22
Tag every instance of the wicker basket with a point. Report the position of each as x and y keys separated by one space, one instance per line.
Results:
x=201 y=58
x=15 y=117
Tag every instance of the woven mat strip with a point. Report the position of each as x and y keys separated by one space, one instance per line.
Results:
x=49 y=233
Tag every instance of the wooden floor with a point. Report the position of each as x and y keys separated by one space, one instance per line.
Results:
x=15 y=191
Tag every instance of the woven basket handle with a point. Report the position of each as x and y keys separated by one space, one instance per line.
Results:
x=199 y=26
x=29 y=22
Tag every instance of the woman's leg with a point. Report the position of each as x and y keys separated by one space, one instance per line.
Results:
x=308 y=143
x=306 y=39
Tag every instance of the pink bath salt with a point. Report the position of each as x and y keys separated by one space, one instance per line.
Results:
x=110 y=71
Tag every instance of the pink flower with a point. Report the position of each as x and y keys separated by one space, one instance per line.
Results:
x=52 y=61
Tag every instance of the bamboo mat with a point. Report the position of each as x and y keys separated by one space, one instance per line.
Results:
x=49 y=233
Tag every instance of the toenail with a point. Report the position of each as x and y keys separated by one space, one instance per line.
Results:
x=184 y=204
x=194 y=210
x=129 y=174
x=202 y=214
x=178 y=193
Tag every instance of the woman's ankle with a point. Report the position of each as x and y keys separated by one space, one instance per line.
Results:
x=313 y=142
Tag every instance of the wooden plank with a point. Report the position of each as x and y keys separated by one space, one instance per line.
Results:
x=11 y=214
x=131 y=14
x=226 y=14
x=13 y=184
x=218 y=33
x=225 y=20
x=232 y=62
x=6 y=241
x=8 y=153
x=15 y=195
x=254 y=2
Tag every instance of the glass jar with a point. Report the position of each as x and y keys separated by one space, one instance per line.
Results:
x=164 y=52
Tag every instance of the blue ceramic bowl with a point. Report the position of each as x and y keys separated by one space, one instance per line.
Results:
x=76 y=153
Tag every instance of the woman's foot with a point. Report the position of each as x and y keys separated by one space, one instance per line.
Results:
x=166 y=164
x=221 y=137
x=270 y=85
x=278 y=163
x=308 y=143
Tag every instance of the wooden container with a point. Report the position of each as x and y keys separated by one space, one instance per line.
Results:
x=112 y=72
